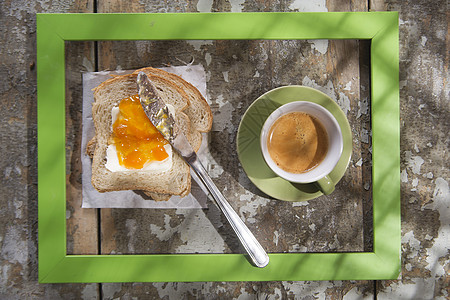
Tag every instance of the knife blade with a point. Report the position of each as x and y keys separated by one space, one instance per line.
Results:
x=160 y=116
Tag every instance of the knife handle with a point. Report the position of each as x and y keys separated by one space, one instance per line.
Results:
x=247 y=239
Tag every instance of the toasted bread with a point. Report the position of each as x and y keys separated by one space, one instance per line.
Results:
x=175 y=181
x=194 y=116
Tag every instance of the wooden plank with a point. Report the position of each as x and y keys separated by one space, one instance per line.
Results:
x=18 y=229
x=424 y=125
x=82 y=223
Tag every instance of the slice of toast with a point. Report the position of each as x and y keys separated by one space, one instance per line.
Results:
x=177 y=180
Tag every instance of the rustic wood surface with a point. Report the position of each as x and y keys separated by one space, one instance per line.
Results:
x=237 y=73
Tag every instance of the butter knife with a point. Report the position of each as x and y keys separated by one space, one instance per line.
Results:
x=159 y=114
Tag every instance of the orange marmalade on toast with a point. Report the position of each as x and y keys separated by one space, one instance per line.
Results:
x=137 y=141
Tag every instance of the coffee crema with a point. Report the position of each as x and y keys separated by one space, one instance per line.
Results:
x=297 y=142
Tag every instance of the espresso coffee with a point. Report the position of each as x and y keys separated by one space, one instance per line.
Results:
x=297 y=142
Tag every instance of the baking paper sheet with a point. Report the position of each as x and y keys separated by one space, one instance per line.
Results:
x=195 y=74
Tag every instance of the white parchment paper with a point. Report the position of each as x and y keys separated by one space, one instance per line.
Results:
x=195 y=74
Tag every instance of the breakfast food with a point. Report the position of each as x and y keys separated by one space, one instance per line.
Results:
x=135 y=144
x=127 y=152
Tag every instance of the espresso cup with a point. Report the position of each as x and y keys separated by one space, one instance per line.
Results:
x=302 y=142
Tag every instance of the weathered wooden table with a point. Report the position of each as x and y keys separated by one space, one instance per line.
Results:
x=237 y=73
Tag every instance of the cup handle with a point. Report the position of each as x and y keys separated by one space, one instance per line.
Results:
x=325 y=184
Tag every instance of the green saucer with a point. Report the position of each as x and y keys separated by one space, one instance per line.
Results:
x=249 y=151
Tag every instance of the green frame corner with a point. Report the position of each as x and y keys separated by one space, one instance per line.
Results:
x=55 y=265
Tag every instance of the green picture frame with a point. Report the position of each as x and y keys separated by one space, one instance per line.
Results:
x=55 y=265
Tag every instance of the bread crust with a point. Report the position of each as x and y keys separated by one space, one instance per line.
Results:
x=198 y=111
x=177 y=180
x=193 y=115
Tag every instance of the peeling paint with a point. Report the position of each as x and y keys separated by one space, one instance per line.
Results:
x=131 y=226
x=214 y=169
x=13 y=247
x=244 y=295
x=423 y=41
x=309 y=211
x=111 y=289
x=88 y=65
x=4 y=271
x=248 y=211
x=348 y=86
x=359 y=163
x=18 y=170
x=276 y=295
x=411 y=244
x=417 y=288
x=320 y=46
x=341 y=99
x=165 y=233
x=276 y=235
x=435 y=76
x=301 y=203
x=429 y=175
x=316 y=289
x=18 y=208
x=363 y=108
x=223 y=115
x=220 y=100
x=441 y=203
x=197 y=44
x=414 y=163
x=408 y=267
x=365 y=135
x=142 y=48
x=187 y=290
x=89 y=291
x=335 y=244
x=403 y=83
x=195 y=222
x=208 y=58
x=309 y=6
x=296 y=248
x=355 y=294
x=7 y=172
x=204 y=5
x=404 y=176
x=237 y=5
x=312 y=6
x=344 y=102
x=261 y=57
x=225 y=76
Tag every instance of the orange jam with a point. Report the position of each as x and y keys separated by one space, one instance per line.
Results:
x=137 y=141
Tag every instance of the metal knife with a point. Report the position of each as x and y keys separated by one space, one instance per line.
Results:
x=162 y=119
